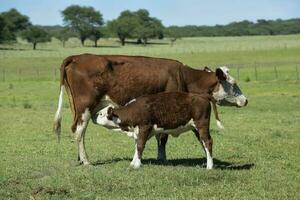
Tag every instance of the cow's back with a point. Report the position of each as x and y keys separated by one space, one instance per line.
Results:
x=134 y=76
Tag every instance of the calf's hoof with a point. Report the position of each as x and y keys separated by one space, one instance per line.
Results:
x=85 y=163
x=209 y=166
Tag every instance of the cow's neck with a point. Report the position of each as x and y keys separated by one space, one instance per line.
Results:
x=199 y=81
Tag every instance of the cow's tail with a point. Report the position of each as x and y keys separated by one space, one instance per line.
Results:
x=219 y=124
x=58 y=114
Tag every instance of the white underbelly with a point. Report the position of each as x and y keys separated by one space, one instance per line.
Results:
x=134 y=131
x=174 y=132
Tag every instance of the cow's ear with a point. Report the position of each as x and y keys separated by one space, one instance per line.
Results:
x=220 y=74
x=207 y=69
x=110 y=113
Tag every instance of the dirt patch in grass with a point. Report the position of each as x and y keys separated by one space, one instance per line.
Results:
x=50 y=191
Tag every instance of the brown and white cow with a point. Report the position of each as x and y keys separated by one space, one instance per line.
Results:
x=168 y=112
x=94 y=82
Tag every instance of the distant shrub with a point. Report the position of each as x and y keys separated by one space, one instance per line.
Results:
x=248 y=79
x=13 y=102
x=27 y=105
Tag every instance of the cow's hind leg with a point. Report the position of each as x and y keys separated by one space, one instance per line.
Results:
x=204 y=137
x=79 y=127
x=161 y=147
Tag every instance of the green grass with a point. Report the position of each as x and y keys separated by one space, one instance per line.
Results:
x=256 y=156
x=245 y=53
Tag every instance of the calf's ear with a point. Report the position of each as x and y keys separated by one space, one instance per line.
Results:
x=220 y=74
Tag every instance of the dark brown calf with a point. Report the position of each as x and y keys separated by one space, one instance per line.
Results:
x=170 y=113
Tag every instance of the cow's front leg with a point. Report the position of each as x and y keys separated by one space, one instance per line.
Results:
x=161 y=146
x=81 y=125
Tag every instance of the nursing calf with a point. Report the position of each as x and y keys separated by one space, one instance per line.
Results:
x=170 y=113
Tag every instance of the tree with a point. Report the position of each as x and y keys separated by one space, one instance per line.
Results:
x=95 y=35
x=124 y=26
x=137 y=24
x=149 y=27
x=3 y=30
x=35 y=35
x=63 y=35
x=14 y=22
x=82 y=20
x=11 y=23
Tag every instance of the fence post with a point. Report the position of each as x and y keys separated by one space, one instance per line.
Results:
x=255 y=70
x=54 y=74
x=20 y=74
x=3 y=75
x=38 y=74
x=275 y=71
x=297 y=72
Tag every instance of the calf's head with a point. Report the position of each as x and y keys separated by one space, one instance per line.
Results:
x=227 y=92
x=106 y=118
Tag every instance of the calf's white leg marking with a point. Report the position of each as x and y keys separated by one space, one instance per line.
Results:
x=80 y=133
x=135 y=156
x=209 y=160
x=136 y=162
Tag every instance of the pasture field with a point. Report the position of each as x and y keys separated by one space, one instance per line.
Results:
x=257 y=156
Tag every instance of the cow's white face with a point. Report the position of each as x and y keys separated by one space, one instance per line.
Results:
x=101 y=119
x=227 y=92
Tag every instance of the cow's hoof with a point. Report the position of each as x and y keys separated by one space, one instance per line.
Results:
x=137 y=164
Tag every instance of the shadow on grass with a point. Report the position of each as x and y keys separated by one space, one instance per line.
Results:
x=103 y=46
x=105 y=162
x=10 y=48
x=16 y=49
x=187 y=162
x=148 y=43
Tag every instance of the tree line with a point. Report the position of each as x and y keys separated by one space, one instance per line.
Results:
x=260 y=27
x=87 y=23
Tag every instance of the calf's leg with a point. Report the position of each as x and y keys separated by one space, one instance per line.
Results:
x=202 y=133
x=161 y=146
x=135 y=156
x=144 y=132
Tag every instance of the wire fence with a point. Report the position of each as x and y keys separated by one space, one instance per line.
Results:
x=250 y=73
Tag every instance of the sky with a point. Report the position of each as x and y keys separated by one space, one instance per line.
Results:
x=170 y=12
